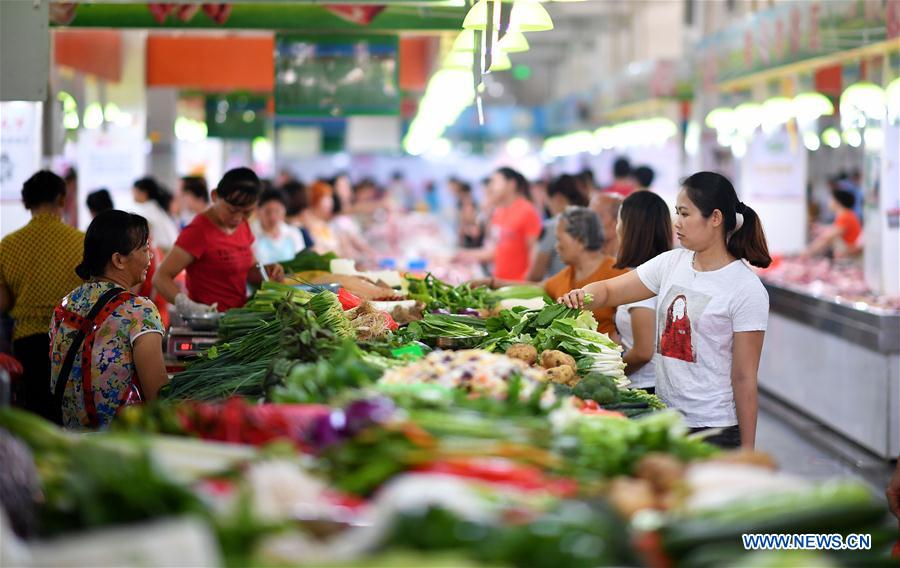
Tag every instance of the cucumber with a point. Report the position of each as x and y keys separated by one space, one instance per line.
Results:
x=626 y=405
x=683 y=535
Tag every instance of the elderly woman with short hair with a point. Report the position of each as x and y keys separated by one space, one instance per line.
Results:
x=579 y=243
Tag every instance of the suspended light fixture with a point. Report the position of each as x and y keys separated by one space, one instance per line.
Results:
x=464 y=60
x=874 y=138
x=721 y=118
x=525 y=16
x=862 y=102
x=93 y=116
x=811 y=141
x=449 y=91
x=831 y=138
x=810 y=106
x=747 y=118
x=511 y=42
x=852 y=137
x=775 y=112
x=514 y=42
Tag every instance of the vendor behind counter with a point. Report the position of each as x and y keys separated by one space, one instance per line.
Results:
x=216 y=251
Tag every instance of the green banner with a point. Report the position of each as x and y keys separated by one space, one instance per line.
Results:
x=793 y=32
x=307 y=18
x=335 y=76
x=235 y=116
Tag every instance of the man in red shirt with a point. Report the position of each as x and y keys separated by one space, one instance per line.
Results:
x=623 y=183
x=515 y=227
x=842 y=237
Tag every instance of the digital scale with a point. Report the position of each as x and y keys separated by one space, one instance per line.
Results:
x=186 y=343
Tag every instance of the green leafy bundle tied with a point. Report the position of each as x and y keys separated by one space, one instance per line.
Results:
x=330 y=315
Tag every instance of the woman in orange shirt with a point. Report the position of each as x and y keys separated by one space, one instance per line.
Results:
x=842 y=237
x=579 y=242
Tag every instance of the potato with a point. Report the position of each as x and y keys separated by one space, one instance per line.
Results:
x=631 y=495
x=524 y=352
x=563 y=374
x=553 y=358
x=662 y=471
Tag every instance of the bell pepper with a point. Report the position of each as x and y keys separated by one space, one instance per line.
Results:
x=348 y=300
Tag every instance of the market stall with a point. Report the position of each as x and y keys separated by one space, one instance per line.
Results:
x=319 y=431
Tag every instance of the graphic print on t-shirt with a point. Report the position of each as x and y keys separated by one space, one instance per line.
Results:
x=682 y=308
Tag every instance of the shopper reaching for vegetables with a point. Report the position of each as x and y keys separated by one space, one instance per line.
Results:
x=216 y=251
x=712 y=309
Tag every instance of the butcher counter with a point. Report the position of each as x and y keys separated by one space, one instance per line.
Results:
x=838 y=363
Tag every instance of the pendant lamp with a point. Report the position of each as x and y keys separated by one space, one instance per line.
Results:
x=465 y=60
x=511 y=42
x=525 y=16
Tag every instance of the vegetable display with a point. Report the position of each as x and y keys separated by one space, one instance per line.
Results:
x=308 y=260
x=303 y=438
x=439 y=295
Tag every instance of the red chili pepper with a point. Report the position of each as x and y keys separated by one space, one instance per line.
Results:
x=502 y=472
x=392 y=325
x=348 y=300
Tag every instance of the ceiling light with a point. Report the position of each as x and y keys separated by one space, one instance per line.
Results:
x=831 y=138
x=464 y=60
x=525 y=16
x=810 y=106
x=862 y=102
x=721 y=118
x=811 y=141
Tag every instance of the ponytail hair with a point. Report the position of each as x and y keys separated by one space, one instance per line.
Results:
x=155 y=192
x=744 y=236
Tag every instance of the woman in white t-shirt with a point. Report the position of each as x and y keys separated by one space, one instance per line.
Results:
x=711 y=310
x=275 y=240
x=152 y=201
x=645 y=232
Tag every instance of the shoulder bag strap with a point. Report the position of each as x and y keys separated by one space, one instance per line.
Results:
x=62 y=379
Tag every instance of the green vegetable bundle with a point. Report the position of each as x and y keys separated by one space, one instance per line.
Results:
x=241 y=366
x=259 y=309
x=94 y=481
x=435 y=326
x=317 y=382
x=330 y=314
x=308 y=261
x=609 y=446
x=436 y=294
x=712 y=536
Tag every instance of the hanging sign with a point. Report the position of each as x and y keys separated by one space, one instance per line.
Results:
x=20 y=146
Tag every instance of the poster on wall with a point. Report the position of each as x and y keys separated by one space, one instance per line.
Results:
x=110 y=160
x=20 y=146
x=774 y=167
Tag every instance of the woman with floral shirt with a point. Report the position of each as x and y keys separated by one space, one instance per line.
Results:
x=106 y=342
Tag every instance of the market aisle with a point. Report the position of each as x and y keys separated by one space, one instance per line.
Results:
x=802 y=447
